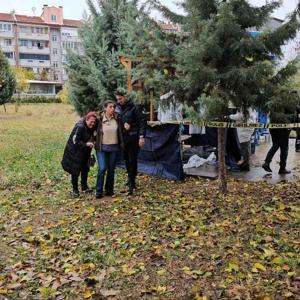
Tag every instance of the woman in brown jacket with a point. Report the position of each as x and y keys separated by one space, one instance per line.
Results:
x=108 y=142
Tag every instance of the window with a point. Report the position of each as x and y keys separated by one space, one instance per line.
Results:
x=53 y=18
x=54 y=38
x=34 y=56
x=7 y=42
x=24 y=29
x=55 y=64
x=55 y=77
x=9 y=54
x=23 y=43
x=54 y=51
x=39 y=30
x=5 y=27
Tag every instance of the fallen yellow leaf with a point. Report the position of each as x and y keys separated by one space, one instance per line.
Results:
x=27 y=229
x=88 y=294
x=259 y=266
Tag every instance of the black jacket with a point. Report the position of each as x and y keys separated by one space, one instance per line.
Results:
x=133 y=115
x=77 y=153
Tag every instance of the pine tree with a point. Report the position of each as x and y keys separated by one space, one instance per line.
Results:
x=97 y=72
x=7 y=81
x=154 y=51
x=221 y=62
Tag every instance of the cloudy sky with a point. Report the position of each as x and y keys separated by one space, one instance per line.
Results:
x=73 y=9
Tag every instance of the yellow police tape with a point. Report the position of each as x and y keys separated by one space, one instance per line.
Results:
x=227 y=124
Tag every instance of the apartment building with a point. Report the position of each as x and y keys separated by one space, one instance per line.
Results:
x=40 y=44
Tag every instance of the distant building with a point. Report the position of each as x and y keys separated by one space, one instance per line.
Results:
x=271 y=25
x=170 y=27
x=40 y=44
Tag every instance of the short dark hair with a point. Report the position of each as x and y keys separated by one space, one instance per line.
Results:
x=120 y=92
x=107 y=102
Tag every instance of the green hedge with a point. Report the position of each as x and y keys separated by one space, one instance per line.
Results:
x=35 y=99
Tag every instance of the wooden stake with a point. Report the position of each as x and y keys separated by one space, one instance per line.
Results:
x=152 y=106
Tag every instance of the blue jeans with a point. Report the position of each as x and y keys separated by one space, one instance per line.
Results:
x=106 y=165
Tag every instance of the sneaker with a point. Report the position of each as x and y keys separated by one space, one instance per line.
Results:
x=74 y=194
x=240 y=162
x=87 y=191
x=266 y=167
x=284 y=171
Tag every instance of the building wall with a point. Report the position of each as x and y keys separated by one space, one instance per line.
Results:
x=55 y=46
x=52 y=15
x=7 y=41
x=39 y=43
x=70 y=41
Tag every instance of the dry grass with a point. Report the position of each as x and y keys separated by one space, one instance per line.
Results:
x=170 y=241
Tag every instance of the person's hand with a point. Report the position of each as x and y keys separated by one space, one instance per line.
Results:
x=141 y=142
x=90 y=144
x=126 y=126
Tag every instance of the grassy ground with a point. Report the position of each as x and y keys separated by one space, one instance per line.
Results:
x=170 y=241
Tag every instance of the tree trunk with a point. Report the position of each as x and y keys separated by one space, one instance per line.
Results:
x=221 y=161
x=4 y=108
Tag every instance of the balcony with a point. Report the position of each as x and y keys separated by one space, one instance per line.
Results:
x=31 y=63
x=5 y=48
x=34 y=50
x=68 y=38
x=33 y=36
x=6 y=34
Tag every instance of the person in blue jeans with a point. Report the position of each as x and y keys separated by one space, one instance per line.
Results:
x=107 y=146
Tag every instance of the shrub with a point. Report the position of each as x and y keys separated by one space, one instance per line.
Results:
x=35 y=99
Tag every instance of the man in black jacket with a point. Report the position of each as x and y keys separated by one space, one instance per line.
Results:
x=133 y=122
x=297 y=120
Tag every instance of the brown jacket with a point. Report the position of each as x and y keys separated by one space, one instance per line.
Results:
x=99 y=136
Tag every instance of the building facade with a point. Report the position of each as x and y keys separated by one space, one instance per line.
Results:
x=40 y=44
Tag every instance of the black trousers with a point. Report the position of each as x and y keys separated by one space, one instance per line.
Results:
x=130 y=154
x=298 y=140
x=84 y=176
x=280 y=139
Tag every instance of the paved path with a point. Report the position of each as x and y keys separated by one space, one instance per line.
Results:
x=257 y=173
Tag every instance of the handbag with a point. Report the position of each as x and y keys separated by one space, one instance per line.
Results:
x=92 y=161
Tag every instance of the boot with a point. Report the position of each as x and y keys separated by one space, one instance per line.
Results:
x=128 y=183
x=131 y=185
x=266 y=167
x=284 y=171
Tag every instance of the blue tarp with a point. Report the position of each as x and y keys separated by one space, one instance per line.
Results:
x=160 y=155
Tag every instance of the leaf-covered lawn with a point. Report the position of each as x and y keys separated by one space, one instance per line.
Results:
x=170 y=241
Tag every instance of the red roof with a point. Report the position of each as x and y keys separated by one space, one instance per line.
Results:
x=6 y=17
x=72 y=23
x=37 y=20
x=30 y=20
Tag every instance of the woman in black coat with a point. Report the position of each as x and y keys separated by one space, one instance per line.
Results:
x=78 y=151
